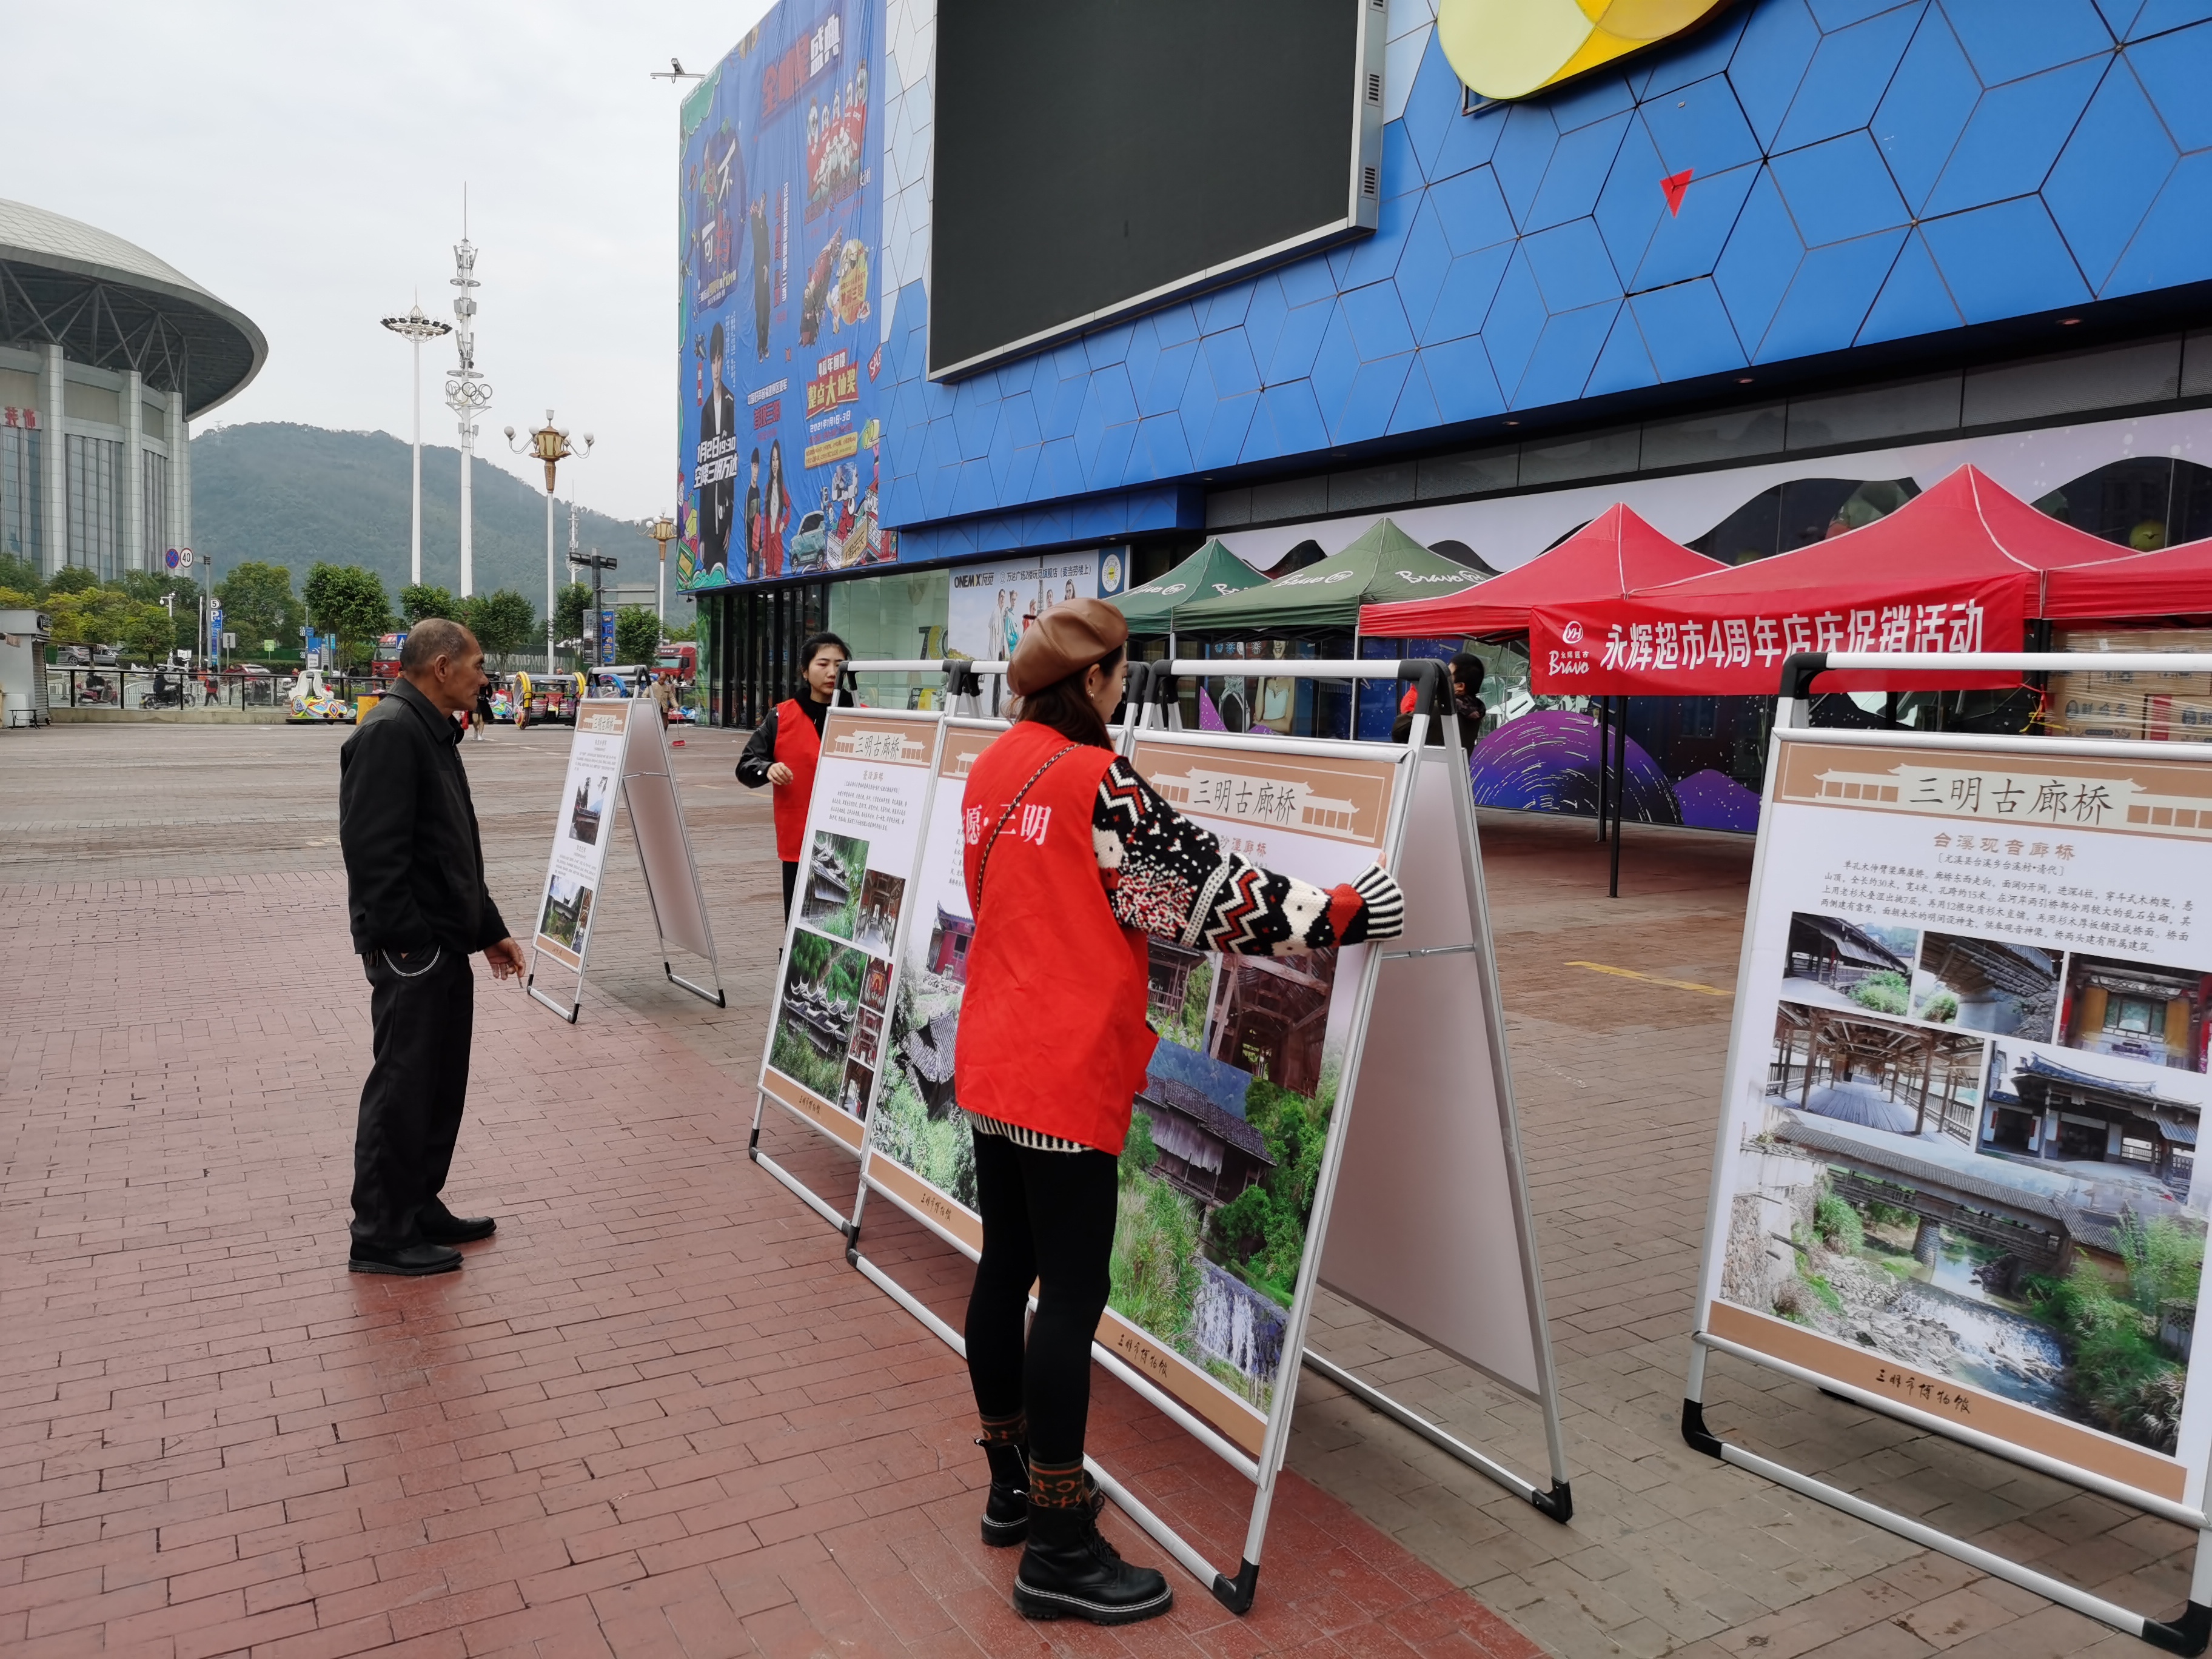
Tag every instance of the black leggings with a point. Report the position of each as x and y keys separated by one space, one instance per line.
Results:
x=1047 y=1220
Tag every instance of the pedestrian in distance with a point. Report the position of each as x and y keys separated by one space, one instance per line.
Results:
x=418 y=903
x=482 y=710
x=1467 y=707
x=787 y=747
x=1069 y=858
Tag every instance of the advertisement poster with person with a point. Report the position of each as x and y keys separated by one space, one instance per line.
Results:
x=782 y=431
x=992 y=606
x=1227 y=1135
x=828 y=1030
x=584 y=826
x=1958 y=1163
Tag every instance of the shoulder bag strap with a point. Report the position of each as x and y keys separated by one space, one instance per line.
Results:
x=983 y=863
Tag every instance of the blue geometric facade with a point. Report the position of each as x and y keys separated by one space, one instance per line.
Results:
x=1861 y=173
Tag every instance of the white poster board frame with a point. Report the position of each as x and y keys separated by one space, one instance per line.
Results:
x=643 y=781
x=2186 y=1634
x=1457 y=947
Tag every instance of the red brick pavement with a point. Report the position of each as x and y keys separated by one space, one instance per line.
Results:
x=658 y=1414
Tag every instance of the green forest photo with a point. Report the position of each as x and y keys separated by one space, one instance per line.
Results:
x=822 y=982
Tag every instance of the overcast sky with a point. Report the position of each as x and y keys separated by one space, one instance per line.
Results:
x=305 y=163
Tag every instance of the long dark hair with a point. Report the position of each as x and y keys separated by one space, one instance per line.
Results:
x=1063 y=707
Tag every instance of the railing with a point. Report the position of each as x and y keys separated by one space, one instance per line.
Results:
x=76 y=686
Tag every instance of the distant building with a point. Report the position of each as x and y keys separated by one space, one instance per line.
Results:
x=105 y=353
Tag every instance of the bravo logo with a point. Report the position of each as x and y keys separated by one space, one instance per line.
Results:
x=1572 y=633
x=1505 y=49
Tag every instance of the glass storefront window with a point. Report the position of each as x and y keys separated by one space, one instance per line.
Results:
x=2142 y=504
x=899 y=617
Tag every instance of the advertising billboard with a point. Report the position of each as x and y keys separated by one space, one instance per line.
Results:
x=1261 y=139
x=781 y=429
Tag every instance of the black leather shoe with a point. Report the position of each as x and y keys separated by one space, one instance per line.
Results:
x=441 y=1226
x=410 y=1261
x=1069 y=1570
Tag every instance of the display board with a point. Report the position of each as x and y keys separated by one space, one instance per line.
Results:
x=1955 y=1176
x=920 y=1152
x=829 y=1022
x=582 y=833
x=1242 y=1136
x=1424 y=1192
x=619 y=753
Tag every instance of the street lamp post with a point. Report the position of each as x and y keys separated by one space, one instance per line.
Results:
x=415 y=328
x=465 y=394
x=550 y=444
x=662 y=530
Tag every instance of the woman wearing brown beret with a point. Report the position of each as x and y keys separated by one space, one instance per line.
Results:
x=1071 y=861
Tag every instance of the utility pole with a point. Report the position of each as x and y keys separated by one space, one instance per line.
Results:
x=550 y=444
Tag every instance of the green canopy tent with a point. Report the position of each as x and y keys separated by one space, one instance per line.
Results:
x=1208 y=574
x=1384 y=563
x=1324 y=597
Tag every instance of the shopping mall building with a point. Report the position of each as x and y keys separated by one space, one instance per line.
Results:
x=105 y=353
x=1763 y=281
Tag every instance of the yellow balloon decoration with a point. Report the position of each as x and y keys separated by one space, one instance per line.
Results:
x=1511 y=48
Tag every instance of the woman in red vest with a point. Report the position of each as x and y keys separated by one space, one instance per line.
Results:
x=787 y=746
x=1071 y=861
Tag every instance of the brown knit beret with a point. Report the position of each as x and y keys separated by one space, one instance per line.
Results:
x=1066 y=640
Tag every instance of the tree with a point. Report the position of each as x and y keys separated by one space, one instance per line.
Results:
x=20 y=576
x=347 y=601
x=637 y=634
x=683 y=631
x=148 y=632
x=72 y=579
x=420 y=599
x=257 y=605
x=568 y=610
x=502 y=622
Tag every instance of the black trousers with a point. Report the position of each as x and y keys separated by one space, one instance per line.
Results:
x=1047 y=1220
x=790 y=884
x=422 y=1014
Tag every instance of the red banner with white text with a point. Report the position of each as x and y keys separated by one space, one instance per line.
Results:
x=1735 y=645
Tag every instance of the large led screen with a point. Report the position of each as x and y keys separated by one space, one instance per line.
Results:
x=1094 y=157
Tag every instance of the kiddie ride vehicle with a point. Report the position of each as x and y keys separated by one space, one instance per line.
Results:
x=313 y=703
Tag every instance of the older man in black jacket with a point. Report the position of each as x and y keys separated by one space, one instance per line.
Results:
x=415 y=894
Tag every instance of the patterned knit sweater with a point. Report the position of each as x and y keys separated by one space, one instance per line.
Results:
x=1167 y=877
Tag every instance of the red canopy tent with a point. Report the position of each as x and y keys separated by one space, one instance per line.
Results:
x=1614 y=554
x=1959 y=568
x=2172 y=581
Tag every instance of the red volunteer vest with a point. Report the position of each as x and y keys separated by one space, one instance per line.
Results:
x=1052 y=1032
x=798 y=747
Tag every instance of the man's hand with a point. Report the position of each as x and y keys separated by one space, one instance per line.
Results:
x=506 y=960
x=778 y=774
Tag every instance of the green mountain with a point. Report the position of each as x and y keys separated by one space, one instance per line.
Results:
x=294 y=495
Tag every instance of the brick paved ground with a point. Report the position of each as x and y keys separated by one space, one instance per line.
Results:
x=659 y=1414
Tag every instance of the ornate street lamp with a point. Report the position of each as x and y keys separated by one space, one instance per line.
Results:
x=465 y=394
x=415 y=328
x=662 y=530
x=550 y=444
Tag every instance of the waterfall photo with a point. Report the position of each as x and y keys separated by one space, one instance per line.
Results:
x=1225 y=1146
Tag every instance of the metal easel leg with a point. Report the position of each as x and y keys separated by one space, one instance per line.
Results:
x=2186 y=1634
x=1558 y=1502
x=798 y=1188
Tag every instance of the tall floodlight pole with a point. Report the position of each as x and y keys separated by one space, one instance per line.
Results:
x=465 y=394
x=415 y=328
x=550 y=444
x=662 y=530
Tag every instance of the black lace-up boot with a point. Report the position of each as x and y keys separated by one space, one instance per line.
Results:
x=1006 y=1510
x=1069 y=1570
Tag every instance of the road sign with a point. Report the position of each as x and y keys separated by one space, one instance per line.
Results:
x=170 y=558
